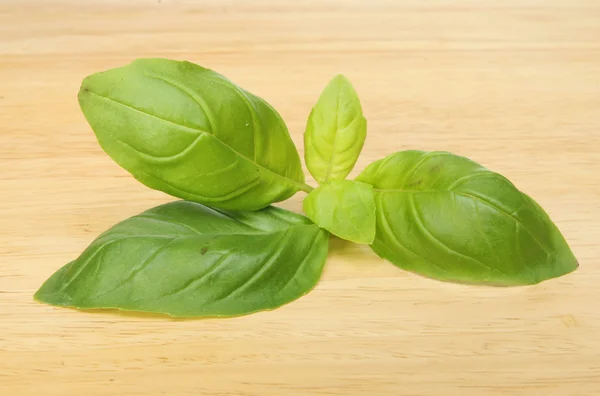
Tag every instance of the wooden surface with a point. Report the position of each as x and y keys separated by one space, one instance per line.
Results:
x=512 y=84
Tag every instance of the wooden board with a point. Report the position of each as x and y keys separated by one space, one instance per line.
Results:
x=514 y=85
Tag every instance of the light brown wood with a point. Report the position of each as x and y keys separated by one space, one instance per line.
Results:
x=512 y=84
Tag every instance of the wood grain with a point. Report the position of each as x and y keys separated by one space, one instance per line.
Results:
x=514 y=85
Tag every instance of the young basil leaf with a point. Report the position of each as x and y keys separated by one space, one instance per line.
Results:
x=187 y=260
x=335 y=132
x=446 y=217
x=190 y=132
x=345 y=208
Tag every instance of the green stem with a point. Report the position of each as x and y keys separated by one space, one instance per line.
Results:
x=305 y=187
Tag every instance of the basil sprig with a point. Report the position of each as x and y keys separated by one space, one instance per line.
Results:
x=226 y=251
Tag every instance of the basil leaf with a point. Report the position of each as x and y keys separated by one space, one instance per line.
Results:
x=446 y=217
x=345 y=208
x=188 y=131
x=187 y=260
x=335 y=132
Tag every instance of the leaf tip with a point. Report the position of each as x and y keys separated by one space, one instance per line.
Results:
x=340 y=79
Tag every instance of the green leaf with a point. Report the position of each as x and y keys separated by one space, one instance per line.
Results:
x=187 y=260
x=335 y=132
x=190 y=132
x=446 y=217
x=345 y=208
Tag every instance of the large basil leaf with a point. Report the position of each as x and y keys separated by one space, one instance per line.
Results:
x=335 y=132
x=185 y=259
x=345 y=208
x=190 y=132
x=449 y=218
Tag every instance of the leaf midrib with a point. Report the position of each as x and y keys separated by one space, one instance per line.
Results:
x=301 y=186
x=335 y=135
x=471 y=196
x=195 y=233
x=123 y=236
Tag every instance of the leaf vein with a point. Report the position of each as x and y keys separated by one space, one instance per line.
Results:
x=395 y=239
x=491 y=205
x=465 y=178
x=500 y=210
x=131 y=107
x=440 y=243
x=98 y=251
x=297 y=184
x=304 y=261
x=135 y=271
x=231 y=195
x=197 y=280
x=335 y=138
x=156 y=218
x=265 y=267
x=420 y=161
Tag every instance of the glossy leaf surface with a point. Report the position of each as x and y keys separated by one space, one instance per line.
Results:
x=447 y=217
x=185 y=259
x=190 y=132
x=345 y=208
x=335 y=132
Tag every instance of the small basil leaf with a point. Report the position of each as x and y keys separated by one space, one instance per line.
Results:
x=190 y=132
x=345 y=208
x=446 y=217
x=335 y=132
x=185 y=259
